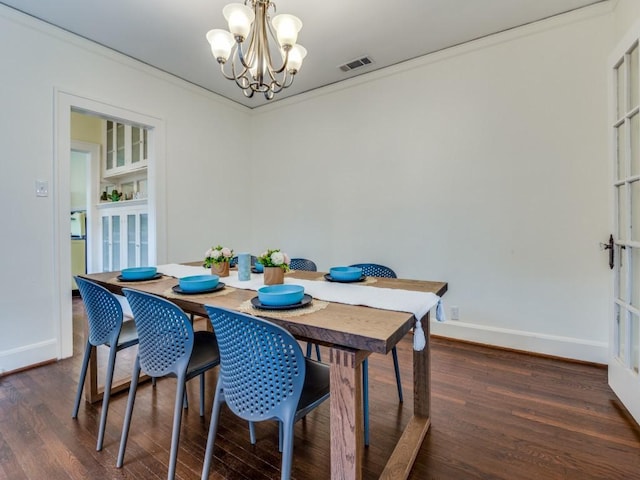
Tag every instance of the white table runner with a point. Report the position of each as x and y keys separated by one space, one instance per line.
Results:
x=417 y=303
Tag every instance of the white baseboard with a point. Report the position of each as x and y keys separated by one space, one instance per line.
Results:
x=28 y=355
x=566 y=347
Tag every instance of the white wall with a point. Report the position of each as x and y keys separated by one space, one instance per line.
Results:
x=201 y=144
x=485 y=166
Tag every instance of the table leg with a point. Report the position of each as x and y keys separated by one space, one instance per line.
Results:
x=347 y=442
x=401 y=460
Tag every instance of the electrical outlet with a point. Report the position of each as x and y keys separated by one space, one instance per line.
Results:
x=455 y=313
x=42 y=188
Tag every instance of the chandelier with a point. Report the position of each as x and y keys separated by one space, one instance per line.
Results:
x=251 y=43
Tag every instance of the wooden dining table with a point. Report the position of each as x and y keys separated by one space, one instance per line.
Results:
x=351 y=333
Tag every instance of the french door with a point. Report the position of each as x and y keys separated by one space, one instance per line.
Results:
x=624 y=357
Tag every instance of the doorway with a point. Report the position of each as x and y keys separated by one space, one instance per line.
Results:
x=66 y=105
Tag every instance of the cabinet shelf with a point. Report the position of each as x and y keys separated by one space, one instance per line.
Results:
x=121 y=204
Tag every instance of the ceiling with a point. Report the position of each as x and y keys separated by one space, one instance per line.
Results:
x=170 y=34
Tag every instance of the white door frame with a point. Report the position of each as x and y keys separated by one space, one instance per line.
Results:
x=64 y=103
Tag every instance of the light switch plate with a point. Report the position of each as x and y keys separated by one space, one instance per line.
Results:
x=42 y=188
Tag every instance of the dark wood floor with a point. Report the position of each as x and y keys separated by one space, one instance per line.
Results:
x=496 y=415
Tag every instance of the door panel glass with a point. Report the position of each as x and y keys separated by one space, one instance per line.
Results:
x=623 y=275
x=620 y=109
x=106 y=264
x=135 y=144
x=634 y=346
x=633 y=77
x=634 y=154
x=115 y=242
x=620 y=151
x=131 y=240
x=144 y=239
x=120 y=145
x=622 y=212
x=635 y=210
x=635 y=275
x=622 y=336
x=109 y=145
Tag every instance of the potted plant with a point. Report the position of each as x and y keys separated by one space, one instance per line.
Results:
x=275 y=263
x=218 y=258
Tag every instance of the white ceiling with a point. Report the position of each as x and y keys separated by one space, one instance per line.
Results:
x=170 y=34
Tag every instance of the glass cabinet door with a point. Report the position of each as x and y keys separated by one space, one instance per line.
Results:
x=132 y=250
x=144 y=239
x=115 y=242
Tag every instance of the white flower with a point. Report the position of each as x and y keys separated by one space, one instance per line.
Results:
x=226 y=252
x=277 y=258
x=215 y=254
x=287 y=260
x=208 y=254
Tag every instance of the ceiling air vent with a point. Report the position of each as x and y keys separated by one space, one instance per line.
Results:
x=357 y=63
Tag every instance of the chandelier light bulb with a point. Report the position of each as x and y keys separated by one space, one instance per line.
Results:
x=296 y=55
x=221 y=44
x=239 y=17
x=287 y=28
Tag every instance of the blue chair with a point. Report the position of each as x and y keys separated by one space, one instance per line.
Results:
x=263 y=376
x=375 y=270
x=234 y=260
x=106 y=327
x=168 y=347
x=303 y=264
x=309 y=266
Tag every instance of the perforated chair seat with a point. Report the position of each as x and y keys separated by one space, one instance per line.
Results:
x=128 y=335
x=263 y=376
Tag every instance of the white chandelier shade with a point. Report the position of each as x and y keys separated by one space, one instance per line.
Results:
x=248 y=45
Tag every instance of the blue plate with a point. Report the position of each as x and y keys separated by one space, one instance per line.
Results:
x=306 y=300
x=198 y=283
x=348 y=274
x=329 y=278
x=138 y=273
x=280 y=295
x=177 y=289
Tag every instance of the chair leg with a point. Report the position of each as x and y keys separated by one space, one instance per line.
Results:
x=308 y=349
x=127 y=417
x=107 y=394
x=286 y=428
x=252 y=433
x=396 y=366
x=177 y=420
x=218 y=400
x=365 y=399
x=202 y=395
x=83 y=375
x=318 y=352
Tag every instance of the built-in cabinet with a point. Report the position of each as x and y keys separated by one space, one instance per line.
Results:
x=126 y=149
x=124 y=236
x=124 y=224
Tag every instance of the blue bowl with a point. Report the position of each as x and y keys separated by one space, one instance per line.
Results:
x=138 y=273
x=198 y=283
x=258 y=266
x=345 y=273
x=278 y=295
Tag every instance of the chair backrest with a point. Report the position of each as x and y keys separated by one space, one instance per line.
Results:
x=262 y=367
x=303 y=264
x=375 y=270
x=104 y=312
x=164 y=332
